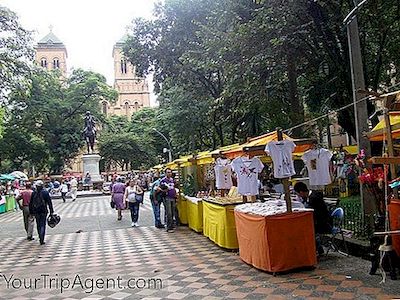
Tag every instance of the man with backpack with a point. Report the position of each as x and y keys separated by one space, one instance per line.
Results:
x=40 y=200
x=156 y=198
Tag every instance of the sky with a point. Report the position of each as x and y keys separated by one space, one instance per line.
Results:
x=88 y=28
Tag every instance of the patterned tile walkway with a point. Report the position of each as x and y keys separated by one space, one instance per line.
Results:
x=148 y=263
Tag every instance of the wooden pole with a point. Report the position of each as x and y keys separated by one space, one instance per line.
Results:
x=285 y=181
x=390 y=149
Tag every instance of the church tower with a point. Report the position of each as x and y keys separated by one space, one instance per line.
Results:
x=133 y=91
x=51 y=53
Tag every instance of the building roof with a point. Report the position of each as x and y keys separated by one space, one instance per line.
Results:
x=51 y=40
x=122 y=40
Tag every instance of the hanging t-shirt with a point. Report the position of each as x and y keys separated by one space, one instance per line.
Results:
x=281 y=154
x=247 y=170
x=317 y=162
x=223 y=174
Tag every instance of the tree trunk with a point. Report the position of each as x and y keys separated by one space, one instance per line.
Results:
x=296 y=106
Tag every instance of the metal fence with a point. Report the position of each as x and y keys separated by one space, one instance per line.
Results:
x=354 y=220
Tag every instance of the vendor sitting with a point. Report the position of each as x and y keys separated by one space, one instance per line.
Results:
x=315 y=200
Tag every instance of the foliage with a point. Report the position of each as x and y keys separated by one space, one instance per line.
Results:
x=16 y=52
x=131 y=143
x=248 y=66
x=50 y=115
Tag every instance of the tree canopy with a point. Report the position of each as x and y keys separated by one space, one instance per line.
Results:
x=226 y=70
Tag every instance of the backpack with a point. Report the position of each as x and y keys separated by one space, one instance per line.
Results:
x=37 y=204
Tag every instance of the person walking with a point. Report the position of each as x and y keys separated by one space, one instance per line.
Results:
x=134 y=196
x=156 y=198
x=40 y=201
x=29 y=219
x=74 y=188
x=170 y=199
x=117 y=196
x=64 y=190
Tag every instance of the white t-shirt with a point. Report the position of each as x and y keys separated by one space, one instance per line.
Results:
x=247 y=170
x=64 y=188
x=223 y=174
x=74 y=183
x=281 y=154
x=317 y=162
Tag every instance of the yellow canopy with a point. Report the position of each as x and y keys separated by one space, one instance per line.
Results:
x=158 y=167
x=353 y=149
x=253 y=142
x=172 y=165
x=224 y=148
x=184 y=161
x=203 y=158
x=378 y=133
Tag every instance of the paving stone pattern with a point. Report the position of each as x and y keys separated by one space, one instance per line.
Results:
x=187 y=265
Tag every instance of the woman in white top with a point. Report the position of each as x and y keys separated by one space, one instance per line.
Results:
x=134 y=196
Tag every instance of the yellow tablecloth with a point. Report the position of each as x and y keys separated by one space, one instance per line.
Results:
x=219 y=225
x=182 y=210
x=195 y=215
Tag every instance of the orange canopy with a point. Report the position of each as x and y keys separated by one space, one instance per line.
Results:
x=262 y=141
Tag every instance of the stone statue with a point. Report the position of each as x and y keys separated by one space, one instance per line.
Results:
x=90 y=131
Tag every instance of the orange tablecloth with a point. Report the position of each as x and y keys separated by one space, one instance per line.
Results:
x=277 y=243
x=394 y=215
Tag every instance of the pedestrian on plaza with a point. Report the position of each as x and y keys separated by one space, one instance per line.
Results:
x=134 y=196
x=170 y=199
x=40 y=200
x=74 y=188
x=117 y=196
x=29 y=219
x=156 y=198
x=64 y=190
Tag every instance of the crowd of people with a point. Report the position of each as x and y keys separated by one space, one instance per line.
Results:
x=34 y=200
x=129 y=193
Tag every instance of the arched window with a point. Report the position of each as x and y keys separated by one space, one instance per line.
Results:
x=56 y=63
x=126 y=108
x=104 y=108
x=123 y=66
x=43 y=62
x=136 y=106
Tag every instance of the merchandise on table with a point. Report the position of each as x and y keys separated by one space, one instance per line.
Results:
x=224 y=200
x=281 y=154
x=193 y=199
x=223 y=174
x=269 y=208
x=317 y=162
x=247 y=170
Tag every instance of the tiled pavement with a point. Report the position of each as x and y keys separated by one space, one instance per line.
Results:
x=187 y=263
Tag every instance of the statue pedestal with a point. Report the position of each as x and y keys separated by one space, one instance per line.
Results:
x=91 y=165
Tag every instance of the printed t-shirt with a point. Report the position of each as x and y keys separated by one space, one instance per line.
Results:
x=281 y=154
x=223 y=174
x=247 y=170
x=317 y=162
x=171 y=186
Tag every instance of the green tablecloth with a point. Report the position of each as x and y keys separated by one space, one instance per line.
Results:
x=10 y=203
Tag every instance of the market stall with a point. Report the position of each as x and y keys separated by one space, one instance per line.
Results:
x=283 y=240
x=195 y=213
x=219 y=221
x=276 y=243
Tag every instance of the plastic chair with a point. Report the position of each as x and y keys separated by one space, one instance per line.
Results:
x=337 y=216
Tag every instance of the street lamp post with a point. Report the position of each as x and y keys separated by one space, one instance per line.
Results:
x=168 y=143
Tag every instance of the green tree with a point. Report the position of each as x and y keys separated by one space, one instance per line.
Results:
x=54 y=111
x=16 y=52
